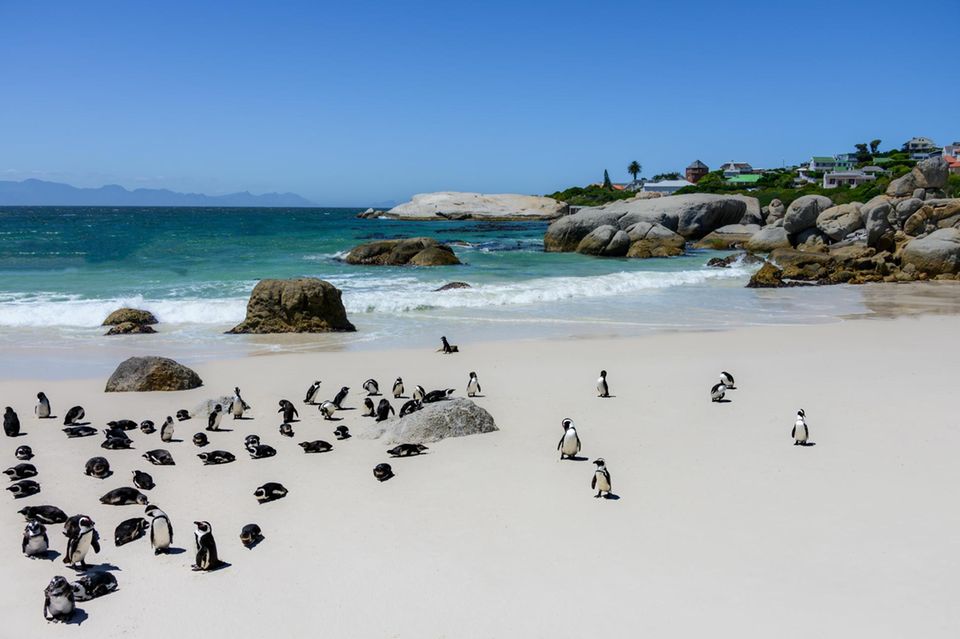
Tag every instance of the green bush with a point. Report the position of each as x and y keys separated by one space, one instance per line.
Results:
x=592 y=195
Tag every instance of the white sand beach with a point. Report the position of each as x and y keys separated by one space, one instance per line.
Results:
x=722 y=526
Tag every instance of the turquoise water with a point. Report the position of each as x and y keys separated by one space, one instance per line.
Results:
x=62 y=270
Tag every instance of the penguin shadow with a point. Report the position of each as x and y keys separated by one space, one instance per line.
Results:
x=576 y=458
x=606 y=396
x=104 y=567
x=175 y=441
x=49 y=417
x=215 y=430
x=50 y=555
x=20 y=434
x=611 y=497
x=334 y=419
x=347 y=408
x=475 y=396
x=723 y=401
x=174 y=550
x=242 y=419
x=78 y=617
x=79 y=424
x=221 y=566
x=807 y=444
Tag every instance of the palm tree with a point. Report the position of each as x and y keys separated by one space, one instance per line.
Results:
x=634 y=169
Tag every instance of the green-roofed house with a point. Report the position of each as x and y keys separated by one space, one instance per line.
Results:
x=745 y=180
x=822 y=163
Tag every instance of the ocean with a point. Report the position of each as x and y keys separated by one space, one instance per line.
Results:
x=63 y=269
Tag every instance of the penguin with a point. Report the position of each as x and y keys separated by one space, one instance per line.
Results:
x=446 y=348
x=372 y=387
x=601 y=478
x=23 y=453
x=207 y=558
x=116 y=433
x=124 y=496
x=473 y=385
x=327 y=409
x=438 y=395
x=116 y=443
x=237 y=405
x=384 y=409
x=216 y=457
x=382 y=472
x=58 y=601
x=130 y=530
x=717 y=392
x=602 y=389
x=143 y=480
x=311 y=396
x=286 y=430
x=270 y=491
x=419 y=393
x=35 y=542
x=213 y=419
x=79 y=431
x=44 y=514
x=159 y=457
x=410 y=406
x=11 y=423
x=166 y=431
x=316 y=446
x=261 y=451
x=24 y=488
x=341 y=432
x=97 y=467
x=250 y=535
x=800 y=432
x=251 y=440
x=80 y=539
x=407 y=450
x=570 y=442
x=727 y=380
x=42 y=408
x=21 y=471
x=369 y=407
x=341 y=396
x=93 y=584
x=161 y=532
x=289 y=411
x=398 y=388
x=147 y=427
x=73 y=416
x=183 y=415
x=200 y=440
x=123 y=424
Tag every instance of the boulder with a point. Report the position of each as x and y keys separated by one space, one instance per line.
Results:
x=478 y=206
x=302 y=305
x=839 y=221
x=935 y=254
x=698 y=215
x=769 y=276
x=452 y=285
x=416 y=251
x=903 y=186
x=606 y=240
x=768 y=239
x=434 y=422
x=906 y=208
x=369 y=214
x=741 y=258
x=933 y=214
x=753 y=213
x=729 y=236
x=131 y=315
x=653 y=240
x=129 y=328
x=811 y=240
x=803 y=212
x=143 y=374
x=876 y=219
x=565 y=234
x=931 y=173
x=775 y=211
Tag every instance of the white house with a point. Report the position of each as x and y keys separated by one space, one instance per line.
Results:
x=735 y=168
x=846 y=178
x=952 y=150
x=667 y=187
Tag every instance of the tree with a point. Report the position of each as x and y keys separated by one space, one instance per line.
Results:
x=862 y=154
x=634 y=169
x=874 y=146
x=666 y=176
x=607 y=184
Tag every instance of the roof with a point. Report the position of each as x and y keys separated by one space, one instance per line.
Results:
x=823 y=159
x=697 y=164
x=669 y=183
x=751 y=178
x=847 y=174
x=951 y=161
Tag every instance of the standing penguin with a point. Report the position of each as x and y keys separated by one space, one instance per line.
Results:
x=289 y=411
x=372 y=387
x=81 y=537
x=42 y=409
x=717 y=392
x=800 y=432
x=446 y=347
x=602 y=389
x=311 y=396
x=601 y=478
x=384 y=410
x=11 y=423
x=419 y=393
x=473 y=386
x=207 y=558
x=727 y=380
x=570 y=442
x=161 y=532
x=237 y=405
x=73 y=416
x=341 y=396
x=35 y=542
x=166 y=431
x=58 y=601
x=398 y=388
x=213 y=419
x=369 y=407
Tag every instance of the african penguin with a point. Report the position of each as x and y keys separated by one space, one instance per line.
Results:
x=147 y=427
x=44 y=514
x=270 y=491
x=602 y=389
x=406 y=450
x=327 y=409
x=316 y=446
x=123 y=424
x=473 y=385
x=200 y=440
x=727 y=380
x=410 y=406
x=446 y=348
x=79 y=431
x=42 y=408
x=94 y=584
x=159 y=457
x=286 y=430
x=601 y=478
x=183 y=415
x=569 y=444
x=73 y=416
x=438 y=395
x=369 y=407
x=289 y=411
x=24 y=488
x=124 y=496
x=213 y=419
x=216 y=457
x=143 y=480
x=237 y=405
x=58 y=601
x=382 y=472
x=11 y=423
x=35 y=542
x=372 y=387
x=398 y=388
x=341 y=396
x=800 y=432
x=23 y=453
x=206 y=557
x=384 y=410
x=341 y=432
x=260 y=451
x=130 y=530
x=81 y=537
x=419 y=393
x=21 y=471
x=97 y=467
x=717 y=392
x=161 y=532
x=166 y=431
x=250 y=535
x=311 y=396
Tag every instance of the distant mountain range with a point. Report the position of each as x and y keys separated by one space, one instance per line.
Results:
x=42 y=193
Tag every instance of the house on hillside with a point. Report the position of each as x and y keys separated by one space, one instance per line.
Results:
x=845 y=161
x=921 y=148
x=846 y=178
x=953 y=164
x=667 y=187
x=822 y=164
x=735 y=168
x=744 y=180
x=695 y=171
x=952 y=150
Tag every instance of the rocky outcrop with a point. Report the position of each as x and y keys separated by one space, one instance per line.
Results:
x=302 y=305
x=932 y=215
x=728 y=237
x=417 y=251
x=769 y=276
x=451 y=205
x=606 y=240
x=903 y=186
x=803 y=212
x=839 y=221
x=144 y=374
x=768 y=239
x=653 y=240
x=775 y=211
x=129 y=328
x=449 y=286
x=935 y=254
x=565 y=234
x=129 y=315
x=877 y=214
x=742 y=258
x=434 y=422
x=931 y=173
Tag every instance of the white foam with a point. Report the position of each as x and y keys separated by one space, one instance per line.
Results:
x=52 y=310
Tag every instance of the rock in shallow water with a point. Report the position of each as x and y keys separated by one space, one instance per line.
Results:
x=129 y=328
x=129 y=315
x=417 y=251
x=302 y=305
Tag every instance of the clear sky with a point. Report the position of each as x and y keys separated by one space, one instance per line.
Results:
x=355 y=102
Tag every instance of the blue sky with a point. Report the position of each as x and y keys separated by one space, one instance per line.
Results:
x=358 y=102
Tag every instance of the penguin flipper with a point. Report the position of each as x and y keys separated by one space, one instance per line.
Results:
x=793 y=431
x=23 y=545
x=560 y=444
x=95 y=542
x=593 y=482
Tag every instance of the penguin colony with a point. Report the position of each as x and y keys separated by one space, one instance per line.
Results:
x=81 y=536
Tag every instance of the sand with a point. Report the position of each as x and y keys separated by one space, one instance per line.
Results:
x=722 y=526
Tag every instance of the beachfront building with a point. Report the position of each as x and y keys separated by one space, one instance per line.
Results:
x=735 y=168
x=845 y=161
x=920 y=144
x=695 y=171
x=846 y=178
x=667 y=187
x=952 y=151
x=822 y=164
x=953 y=164
x=744 y=180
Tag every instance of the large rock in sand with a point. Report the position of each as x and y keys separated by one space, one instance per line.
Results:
x=143 y=374
x=606 y=240
x=416 y=251
x=803 y=212
x=935 y=254
x=478 y=206
x=435 y=421
x=302 y=305
x=653 y=240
